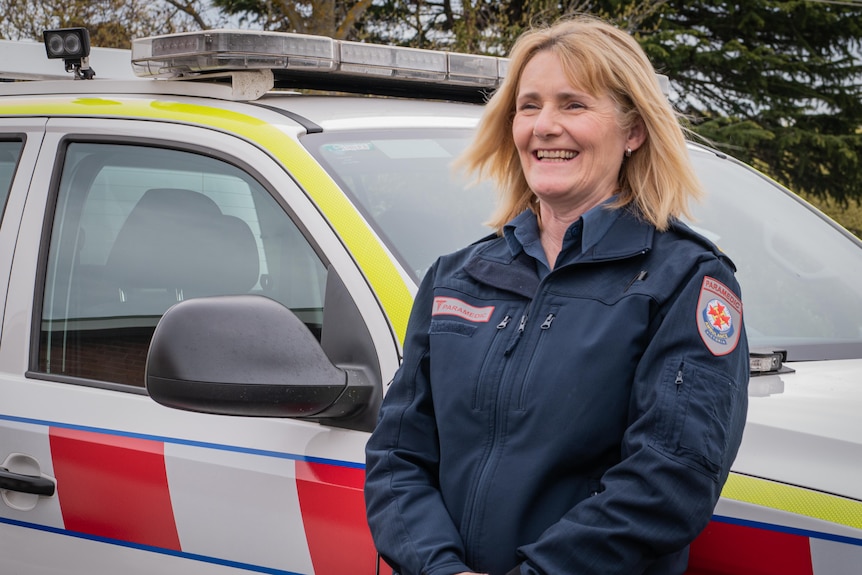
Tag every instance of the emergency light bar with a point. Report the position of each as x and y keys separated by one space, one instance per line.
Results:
x=322 y=63
x=305 y=61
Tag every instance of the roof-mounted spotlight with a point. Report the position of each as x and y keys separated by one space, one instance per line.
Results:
x=73 y=46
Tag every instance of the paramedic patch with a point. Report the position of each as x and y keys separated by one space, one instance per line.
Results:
x=719 y=316
x=456 y=307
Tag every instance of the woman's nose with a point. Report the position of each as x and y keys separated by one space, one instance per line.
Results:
x=546 y=123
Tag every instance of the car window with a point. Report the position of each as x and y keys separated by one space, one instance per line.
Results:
x=138 y=229
x=9 y=154
x=801 y=277
x=405 y=183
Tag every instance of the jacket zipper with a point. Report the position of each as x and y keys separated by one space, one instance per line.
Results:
x=521 y=325
x=543 y=329
x=497 y=416
x=492 y=351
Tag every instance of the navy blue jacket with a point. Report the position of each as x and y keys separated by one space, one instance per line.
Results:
x=578 y=422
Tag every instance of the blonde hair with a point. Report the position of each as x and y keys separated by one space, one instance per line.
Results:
x=658 y=178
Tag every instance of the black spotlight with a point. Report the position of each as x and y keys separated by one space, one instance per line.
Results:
x=73 y=46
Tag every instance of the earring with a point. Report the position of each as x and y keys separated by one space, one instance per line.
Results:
x=628 y=152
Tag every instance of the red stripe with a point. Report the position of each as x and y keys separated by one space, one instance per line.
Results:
x=726 y=549
x=333 y=512
x=114 y=487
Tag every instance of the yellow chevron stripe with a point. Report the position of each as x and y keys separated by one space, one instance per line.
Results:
x=797 y=500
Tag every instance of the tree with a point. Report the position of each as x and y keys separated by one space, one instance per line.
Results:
x=778 y=84
x=111 y=23
x=321 y=17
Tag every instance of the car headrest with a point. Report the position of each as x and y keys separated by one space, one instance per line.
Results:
x=179 y=239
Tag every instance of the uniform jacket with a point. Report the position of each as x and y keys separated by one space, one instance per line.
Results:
x=579 y=423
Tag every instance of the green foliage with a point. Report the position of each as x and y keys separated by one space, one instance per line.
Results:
x=778 y=84
x=111 y=23
x=332 y=18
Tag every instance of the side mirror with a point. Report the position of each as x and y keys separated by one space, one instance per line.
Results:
x=248 y=355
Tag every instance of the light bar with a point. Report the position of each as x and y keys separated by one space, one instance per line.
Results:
x=193 y=54
x=391 y=61
x=318 y=62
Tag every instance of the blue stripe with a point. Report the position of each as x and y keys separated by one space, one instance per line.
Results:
x=178 y=441
x=149 y=548
x=790 y=530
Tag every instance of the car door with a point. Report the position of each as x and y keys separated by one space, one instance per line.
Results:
x=124 y=219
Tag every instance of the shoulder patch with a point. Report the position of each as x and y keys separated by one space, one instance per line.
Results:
x=718 y=317
x=454 y=306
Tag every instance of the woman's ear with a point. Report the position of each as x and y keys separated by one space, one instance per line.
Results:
x=637 y=135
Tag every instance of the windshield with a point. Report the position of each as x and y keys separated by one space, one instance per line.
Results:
x=404 y=183
x=801 y=277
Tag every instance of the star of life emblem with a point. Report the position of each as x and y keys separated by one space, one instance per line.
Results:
x=719 y=316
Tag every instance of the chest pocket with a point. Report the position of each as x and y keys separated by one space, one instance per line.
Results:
x=451 y=327
x=466 y=357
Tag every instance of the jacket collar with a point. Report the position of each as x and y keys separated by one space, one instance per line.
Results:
x=496 y=263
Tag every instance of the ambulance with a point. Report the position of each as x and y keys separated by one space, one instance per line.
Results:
x=210 y=246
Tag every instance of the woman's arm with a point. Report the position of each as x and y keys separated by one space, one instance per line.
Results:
x=409 y=522
x=686 y=417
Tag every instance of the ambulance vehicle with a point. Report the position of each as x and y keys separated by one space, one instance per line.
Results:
x=207 y=269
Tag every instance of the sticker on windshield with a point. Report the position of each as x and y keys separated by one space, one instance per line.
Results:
x=719 y=316
x=348 y=147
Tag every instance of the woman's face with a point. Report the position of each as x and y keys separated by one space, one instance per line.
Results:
x=570 y=142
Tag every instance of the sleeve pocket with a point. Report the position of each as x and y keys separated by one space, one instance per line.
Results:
x=695 y=413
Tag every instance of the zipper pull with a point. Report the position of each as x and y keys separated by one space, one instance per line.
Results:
x=505 y=322
x=518 y=335
x=641 y=276
x=678 y=380
x=548 y=321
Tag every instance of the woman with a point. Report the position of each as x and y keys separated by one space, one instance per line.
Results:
x=574 y=389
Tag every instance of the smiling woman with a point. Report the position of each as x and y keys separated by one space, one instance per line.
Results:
x=592 y=353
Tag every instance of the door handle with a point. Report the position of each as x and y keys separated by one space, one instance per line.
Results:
x=26 y=483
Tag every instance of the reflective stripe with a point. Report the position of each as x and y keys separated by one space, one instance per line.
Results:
x=147 y=492
x=333 y=510
x=372 y=258
x=728 y=549
x=798 y=500
x=113 y=487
